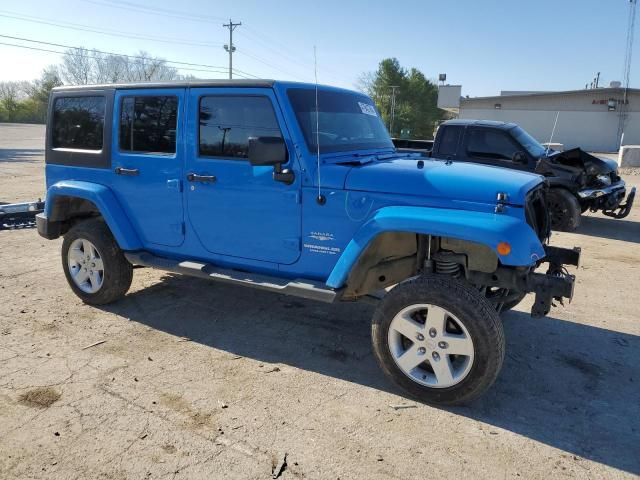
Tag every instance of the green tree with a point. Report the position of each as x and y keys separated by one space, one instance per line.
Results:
x=416 y=98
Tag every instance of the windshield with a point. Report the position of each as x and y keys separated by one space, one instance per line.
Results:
x=347 y=121
x=532 y=146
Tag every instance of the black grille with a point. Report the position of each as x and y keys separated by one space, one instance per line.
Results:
x=537 y=213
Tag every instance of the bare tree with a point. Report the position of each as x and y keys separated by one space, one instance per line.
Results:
x=82 y=67
x=77 y=67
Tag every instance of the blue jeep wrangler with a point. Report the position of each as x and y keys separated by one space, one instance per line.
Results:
x=298 y=189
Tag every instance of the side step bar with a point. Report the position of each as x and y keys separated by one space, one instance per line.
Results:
x=309 y=289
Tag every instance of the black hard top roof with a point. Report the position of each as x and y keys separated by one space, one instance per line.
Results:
x=481 y=123
x=259 y=83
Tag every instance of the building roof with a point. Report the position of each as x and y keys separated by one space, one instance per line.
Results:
x=514 y=96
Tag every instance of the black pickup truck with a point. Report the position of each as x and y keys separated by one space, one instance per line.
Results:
x=578 y=181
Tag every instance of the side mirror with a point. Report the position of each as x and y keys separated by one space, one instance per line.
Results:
x=519 y=157
x=267 y=151
x=264 y=151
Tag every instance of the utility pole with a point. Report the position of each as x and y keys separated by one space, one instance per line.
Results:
x=230 y=47
x=393 y=106
x=628 y=55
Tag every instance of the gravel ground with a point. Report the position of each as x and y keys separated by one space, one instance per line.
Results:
x=200 y=380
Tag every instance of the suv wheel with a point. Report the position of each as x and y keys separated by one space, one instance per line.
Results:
x=439 y=339
x=564 y=210
x=95 y=267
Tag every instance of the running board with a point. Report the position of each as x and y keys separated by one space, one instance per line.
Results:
x=309 y=289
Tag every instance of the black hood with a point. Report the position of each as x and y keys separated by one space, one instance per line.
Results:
x=579 y=159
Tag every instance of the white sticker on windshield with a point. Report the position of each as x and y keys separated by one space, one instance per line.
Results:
x=368 y=109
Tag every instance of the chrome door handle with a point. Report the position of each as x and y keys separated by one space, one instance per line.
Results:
x=131 y=172
x=194 y=177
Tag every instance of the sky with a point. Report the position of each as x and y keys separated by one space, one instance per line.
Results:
x=484 y=45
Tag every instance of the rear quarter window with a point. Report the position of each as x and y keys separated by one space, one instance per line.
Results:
x=78 y=123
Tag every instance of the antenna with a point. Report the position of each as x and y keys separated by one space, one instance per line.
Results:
x=552 y=132
x=320 y=198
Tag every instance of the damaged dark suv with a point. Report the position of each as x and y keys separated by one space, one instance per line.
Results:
x=578 y=181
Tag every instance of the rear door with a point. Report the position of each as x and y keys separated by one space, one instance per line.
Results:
x=236 y=209
x=147 y=155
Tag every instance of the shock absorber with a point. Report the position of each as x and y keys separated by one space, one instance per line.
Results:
x=448 y=268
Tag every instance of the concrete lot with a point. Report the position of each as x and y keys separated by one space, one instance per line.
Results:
x=200 y=380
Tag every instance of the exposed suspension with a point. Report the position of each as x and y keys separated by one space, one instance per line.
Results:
x=448 y=268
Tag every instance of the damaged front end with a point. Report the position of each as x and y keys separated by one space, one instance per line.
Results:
x=595 y=181
x=555 y=284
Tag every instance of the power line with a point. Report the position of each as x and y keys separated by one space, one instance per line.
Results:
x=114 y=33
x=282 y=51
x=135 y=7
x=117 y=33
x=116 y=54
x=109 y=53
x=270 y=65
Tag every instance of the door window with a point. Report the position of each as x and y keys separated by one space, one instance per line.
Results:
x=487 y=143
x=78 y=122
x=227 y=122
x=148 y=124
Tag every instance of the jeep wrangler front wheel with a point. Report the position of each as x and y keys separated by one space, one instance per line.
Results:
x=439 y=339
x=93 y=263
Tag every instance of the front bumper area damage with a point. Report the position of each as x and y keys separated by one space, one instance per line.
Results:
x=609 y=199
x=622 y=210
x=555 y=284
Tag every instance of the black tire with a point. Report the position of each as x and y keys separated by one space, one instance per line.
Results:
x=506 y=306
x=564 y=210
x=118 y=272
x=471 y=308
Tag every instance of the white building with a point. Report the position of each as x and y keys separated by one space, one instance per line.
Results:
x=591 y=119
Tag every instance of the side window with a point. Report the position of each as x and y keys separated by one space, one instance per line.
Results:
x=227 y=122
x=148 y=124
x=487 y=143
x=450 y=139
x=78 y=122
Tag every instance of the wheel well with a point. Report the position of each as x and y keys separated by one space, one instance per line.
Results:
x=68 y=210
x=392 y=257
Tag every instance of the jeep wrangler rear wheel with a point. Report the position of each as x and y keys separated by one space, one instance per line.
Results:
x=93 y=263
x=439 y=339
x=564 y=210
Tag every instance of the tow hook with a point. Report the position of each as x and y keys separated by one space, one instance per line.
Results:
x=622 y=210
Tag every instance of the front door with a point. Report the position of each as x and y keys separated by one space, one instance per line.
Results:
x=494 y=147
x=147 y=162
x=235 y=209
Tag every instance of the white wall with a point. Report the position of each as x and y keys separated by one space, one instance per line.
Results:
x=449 y=96
x=591 y=131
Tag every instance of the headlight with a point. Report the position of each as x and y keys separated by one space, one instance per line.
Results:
x=604 y=179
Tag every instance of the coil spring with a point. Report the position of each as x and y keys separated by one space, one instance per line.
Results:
x=447 y=268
